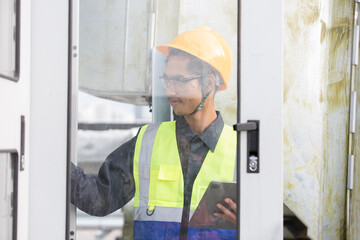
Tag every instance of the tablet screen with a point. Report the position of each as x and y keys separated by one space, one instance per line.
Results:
x=216 y=192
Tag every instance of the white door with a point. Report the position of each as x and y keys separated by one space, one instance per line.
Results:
x=14 y=118
x=261 y=204
x=33 y=118
x=48 y=119
x=261 y=99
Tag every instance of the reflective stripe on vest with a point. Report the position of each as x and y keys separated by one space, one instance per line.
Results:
x=158 y=175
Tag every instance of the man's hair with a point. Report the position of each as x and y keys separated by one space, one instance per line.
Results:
x=197 y=66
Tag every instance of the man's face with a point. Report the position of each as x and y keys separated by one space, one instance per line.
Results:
x=184 y=97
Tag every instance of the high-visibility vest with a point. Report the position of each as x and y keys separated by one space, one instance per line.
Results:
x=159 y=195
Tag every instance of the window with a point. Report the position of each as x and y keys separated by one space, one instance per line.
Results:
x=8 y=195
x=103 y=126
x=118 y=61
x=9 y=41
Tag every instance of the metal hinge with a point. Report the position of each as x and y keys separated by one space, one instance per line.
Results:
x=352 y=112
x=22 y=144
x=355 y=54
x=350 y=178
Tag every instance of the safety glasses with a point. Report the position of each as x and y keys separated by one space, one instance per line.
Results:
x=176 y=81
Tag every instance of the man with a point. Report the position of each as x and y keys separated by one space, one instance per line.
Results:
x=167 y=167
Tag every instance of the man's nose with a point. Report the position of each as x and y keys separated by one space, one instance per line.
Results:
x=171 y=90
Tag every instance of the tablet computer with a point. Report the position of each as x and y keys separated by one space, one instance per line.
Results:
x=216 y=192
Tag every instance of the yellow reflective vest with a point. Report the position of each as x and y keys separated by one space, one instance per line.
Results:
x=159 y=194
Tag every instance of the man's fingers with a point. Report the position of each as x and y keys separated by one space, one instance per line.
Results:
x=231 y=203
x=227 y=214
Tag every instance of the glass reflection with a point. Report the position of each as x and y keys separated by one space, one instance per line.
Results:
x=103 y=126
x=165 y=168
x=8 y=33
x=7 y=196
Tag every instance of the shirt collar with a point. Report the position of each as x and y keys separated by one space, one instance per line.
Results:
x=210 y=136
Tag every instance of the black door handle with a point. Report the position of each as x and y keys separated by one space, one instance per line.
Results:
x=253 y=156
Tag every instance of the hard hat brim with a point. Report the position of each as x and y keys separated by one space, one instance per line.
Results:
x=207 y=45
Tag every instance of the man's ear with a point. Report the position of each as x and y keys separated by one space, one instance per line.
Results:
x=210 y=82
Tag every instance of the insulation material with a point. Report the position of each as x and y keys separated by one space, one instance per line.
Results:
x=317 y=60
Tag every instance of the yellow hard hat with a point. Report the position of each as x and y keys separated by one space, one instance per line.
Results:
x=206 y=44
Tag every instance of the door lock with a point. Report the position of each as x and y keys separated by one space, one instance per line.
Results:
x=253 y=157
x=253 y=163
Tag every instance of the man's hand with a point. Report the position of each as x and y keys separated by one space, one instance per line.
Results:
x=227 y=214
